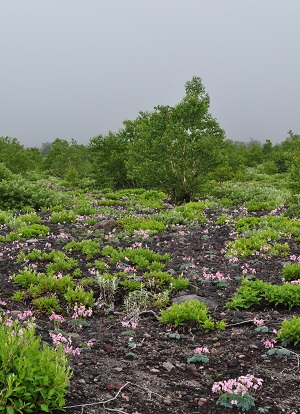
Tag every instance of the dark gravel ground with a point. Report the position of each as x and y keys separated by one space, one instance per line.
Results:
x=106 y=379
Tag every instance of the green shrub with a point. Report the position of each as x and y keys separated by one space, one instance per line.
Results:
x=33 y=376
x=84 y=209
x=65 y=216
x=289 y=331
x=5 y=217
x=61 y=262
x=291 y=272
x=5 y=173
x=255 y=292
x=170 y=217
x=17 y=193
x=180 y=283
x=261 y=205
x=141 y=257
x=80 y=296
x=46 y=284
x=191 y=311
x=131 y=285
x=28 y=232
x=26 y=277
x=293 y=206
x=160 y=278
x=48 y=304
x=130 y=224
x=87 y=247
x=192 y=211
x=151 y=199
x=222 y=219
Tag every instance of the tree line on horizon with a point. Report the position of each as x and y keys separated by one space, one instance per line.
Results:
x=179 y=150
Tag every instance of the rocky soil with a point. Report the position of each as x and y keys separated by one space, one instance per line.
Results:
x=148 y=373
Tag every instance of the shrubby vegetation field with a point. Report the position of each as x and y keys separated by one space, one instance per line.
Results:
x=155 y=270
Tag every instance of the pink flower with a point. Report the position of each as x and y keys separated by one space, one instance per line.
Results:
x=234 y=402
x=269 y=344
x=9 y=322
x=55 y=317
x=258 y=322
x=200 y=351
x=25 y=315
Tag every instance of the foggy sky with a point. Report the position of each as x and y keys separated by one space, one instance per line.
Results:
x=78 y=68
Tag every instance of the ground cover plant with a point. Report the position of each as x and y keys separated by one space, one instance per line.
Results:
x=153 y=307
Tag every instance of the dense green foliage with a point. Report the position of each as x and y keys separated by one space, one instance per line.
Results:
x=33 y=377
x=192 y=311
x=179 y=149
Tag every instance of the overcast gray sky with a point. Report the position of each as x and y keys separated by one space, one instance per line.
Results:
x=78 y=68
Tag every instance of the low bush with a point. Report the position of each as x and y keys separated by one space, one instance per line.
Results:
x=289 y=331
x=255 y=292
x=291 y=272
x=193 y=312
x=33 y=376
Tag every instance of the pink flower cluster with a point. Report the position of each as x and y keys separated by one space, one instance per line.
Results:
x=292 y=282
x=269 y=344
x=246 y=270
x=130 y=269
x=129 y=324
x=241 y=385
x=25 y=315
x=200 y=351
x=81 y=312
x=258 y=322
x=58 y=339
x=56 y=317
x=143 y=233
x=218 y=276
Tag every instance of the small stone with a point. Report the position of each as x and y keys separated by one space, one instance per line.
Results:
x=168 y=366
x=208 y=302
x=167 y=400
x=154 y=370
x=118 y=369
x=252 y=346
x=15 y=313
x=73 y=335
x=81 y=381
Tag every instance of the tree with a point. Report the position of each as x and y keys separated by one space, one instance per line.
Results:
x=174 y=148
x=13 y=155
x=254 y=154
x=108 y=155
x=67 y=158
